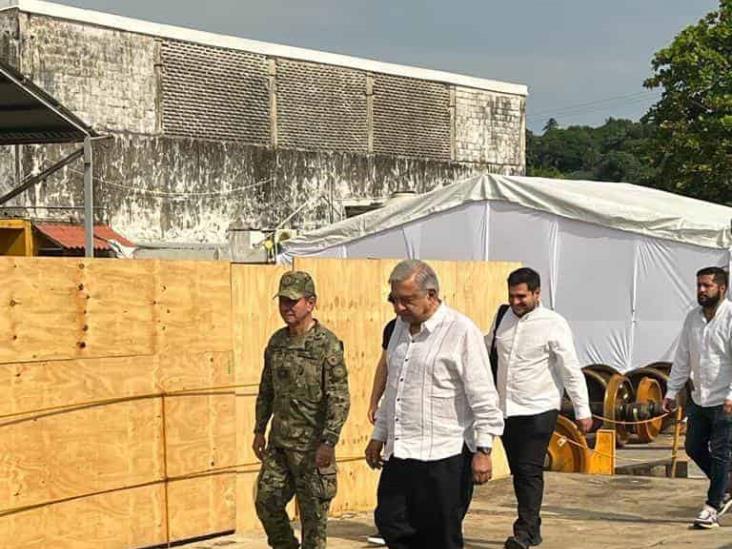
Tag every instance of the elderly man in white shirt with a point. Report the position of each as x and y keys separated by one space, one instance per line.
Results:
x=704 y=355
x=434 y=431
x=533 y=352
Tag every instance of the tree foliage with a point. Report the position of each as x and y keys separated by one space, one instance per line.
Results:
x=692 y=149
x=615 y=151
x=683 y=144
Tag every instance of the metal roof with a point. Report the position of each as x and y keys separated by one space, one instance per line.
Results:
x=71 y=236
x=30 y=115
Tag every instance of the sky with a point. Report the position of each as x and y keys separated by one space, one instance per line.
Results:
x=583 y=60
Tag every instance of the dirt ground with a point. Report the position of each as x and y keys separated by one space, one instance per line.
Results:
x=579 y=512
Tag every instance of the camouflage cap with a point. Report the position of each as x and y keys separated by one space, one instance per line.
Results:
x=295 y=285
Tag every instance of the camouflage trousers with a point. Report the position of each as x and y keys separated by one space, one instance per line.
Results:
x=286 y=473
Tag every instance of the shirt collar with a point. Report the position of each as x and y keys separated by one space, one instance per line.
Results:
x=432 y=322
x=723 y=305
x=536 y=311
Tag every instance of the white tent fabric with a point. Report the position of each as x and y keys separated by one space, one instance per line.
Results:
x=617 y=260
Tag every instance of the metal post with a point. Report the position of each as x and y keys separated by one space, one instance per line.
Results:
x=88 y=199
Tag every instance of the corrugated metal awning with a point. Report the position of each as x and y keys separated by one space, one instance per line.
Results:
x=30 y=115
x=71 y=236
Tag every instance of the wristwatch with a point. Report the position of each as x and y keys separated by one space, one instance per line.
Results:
x=483 y=450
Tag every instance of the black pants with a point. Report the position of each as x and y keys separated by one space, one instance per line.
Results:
x=708 y=443
x=421 y=504
x=526 y=439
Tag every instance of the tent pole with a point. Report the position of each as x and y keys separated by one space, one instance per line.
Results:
x=88 y=199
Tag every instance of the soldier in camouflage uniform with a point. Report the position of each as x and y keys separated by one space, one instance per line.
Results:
x=304 y=389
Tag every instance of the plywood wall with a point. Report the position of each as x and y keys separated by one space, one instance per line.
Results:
x=116 y=334
x=88 y=348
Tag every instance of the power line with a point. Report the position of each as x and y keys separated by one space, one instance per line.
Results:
x=581 y=107
x=633 y=103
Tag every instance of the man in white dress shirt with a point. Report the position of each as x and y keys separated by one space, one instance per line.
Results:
x=434 y=430
x=704 y=355
x=536 y=362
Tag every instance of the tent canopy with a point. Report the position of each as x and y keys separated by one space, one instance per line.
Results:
x=616 y=260
x=621 y=206
x=29 y=115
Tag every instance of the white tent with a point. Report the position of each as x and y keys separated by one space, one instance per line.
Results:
x=617 y=260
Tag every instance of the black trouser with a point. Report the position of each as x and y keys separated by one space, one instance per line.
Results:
x=421 y=504
x=708 y=443
x=525 y=439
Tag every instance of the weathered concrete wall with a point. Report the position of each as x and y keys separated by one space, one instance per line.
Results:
x=490 y=128
x=9 y=37
x=205 y=137
x=159 y=188
x=106 y=77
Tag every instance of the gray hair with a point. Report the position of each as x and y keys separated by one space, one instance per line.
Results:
x=424 y=275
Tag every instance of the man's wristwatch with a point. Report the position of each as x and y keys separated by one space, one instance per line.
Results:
x=483 y=450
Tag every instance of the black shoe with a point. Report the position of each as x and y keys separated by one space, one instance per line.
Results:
x=515 y=543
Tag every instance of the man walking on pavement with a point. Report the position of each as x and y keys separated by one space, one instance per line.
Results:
x=534 y=361
x=435 y=428
x=704 y=355
x=304 y=390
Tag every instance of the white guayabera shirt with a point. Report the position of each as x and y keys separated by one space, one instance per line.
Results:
x=537 y=361
x=440 y=392
x=705 y=353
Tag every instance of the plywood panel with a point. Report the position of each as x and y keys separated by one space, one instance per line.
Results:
x=27 y=386
x=193 y=306
x=40 y=309
x=83 y=451
x=246 y=514
x=183 y=371
x=118 y=308
x=255 y=316
x=200 y=431
x=202 y=505
x=357 y=485
x=482 y=289
x=125 y=518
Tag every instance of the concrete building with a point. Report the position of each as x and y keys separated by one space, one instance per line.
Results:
x=212 y=132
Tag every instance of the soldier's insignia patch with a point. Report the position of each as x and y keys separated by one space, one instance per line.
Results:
x=287 y=280
x=338 y=372
x=333 y=360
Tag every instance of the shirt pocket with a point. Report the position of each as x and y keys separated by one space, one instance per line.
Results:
x=448 y=405
x=308 y=374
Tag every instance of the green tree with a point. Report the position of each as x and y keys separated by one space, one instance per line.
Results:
x=692 y=148
x=615 y=151
x=551 y=124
